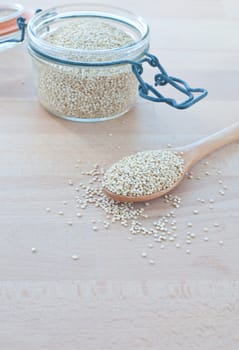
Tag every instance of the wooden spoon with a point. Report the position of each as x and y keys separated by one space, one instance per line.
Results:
x=191 y=154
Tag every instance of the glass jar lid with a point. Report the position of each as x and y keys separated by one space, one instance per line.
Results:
x=13 y=18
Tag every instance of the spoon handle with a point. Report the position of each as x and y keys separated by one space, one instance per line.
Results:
x=199 y=149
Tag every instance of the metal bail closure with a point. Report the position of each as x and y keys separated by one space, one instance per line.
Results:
x=13 y=22
x=151 y=93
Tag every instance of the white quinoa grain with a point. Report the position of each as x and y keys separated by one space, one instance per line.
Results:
x=74 y=257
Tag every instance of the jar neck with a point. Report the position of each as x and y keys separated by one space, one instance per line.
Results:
x=46 y=21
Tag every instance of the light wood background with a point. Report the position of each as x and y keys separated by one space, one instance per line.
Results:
x=111 y=298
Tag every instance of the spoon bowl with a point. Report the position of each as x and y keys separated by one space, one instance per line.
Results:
x=191 y=154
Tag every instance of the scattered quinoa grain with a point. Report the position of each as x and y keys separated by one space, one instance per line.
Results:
x=74 y=257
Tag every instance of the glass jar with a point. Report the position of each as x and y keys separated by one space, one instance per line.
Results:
x=81 y=81
x=82 y=84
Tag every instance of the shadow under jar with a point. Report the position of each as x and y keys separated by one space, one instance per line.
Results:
x=81 y=56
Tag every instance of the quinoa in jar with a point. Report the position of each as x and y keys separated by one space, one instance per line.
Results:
x=81 y=54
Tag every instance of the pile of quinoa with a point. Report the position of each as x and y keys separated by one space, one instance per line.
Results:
x=144 y=173
x=87 y=92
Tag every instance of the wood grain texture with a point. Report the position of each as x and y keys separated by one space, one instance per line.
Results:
x=111 y=298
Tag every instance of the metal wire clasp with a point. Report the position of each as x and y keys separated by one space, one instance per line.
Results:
x=149 y=92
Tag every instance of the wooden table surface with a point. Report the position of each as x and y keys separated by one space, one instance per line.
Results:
x=111 y=297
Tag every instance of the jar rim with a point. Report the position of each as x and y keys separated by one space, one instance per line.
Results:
x=41 y=47
x=17 y=10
